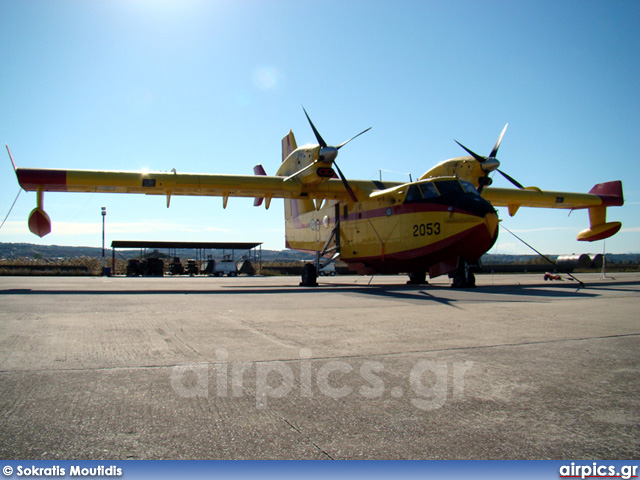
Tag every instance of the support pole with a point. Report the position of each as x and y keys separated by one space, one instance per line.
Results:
x=104 y=214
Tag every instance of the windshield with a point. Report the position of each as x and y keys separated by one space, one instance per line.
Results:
x=448 y=186
x=431 y=190
x=421 y=192
x=469 y=188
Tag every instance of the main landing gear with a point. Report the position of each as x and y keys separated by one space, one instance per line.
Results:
x=331 y=246
x=309 y=275
x=463 y=276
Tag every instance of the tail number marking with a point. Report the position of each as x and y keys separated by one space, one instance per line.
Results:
x=426 y=229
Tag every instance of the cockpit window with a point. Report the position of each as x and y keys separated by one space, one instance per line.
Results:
x=448 y=186
x=468 y=187
x=448 y=194
x=438 y=190
x=413 y=194
x=421 y=192
x=428 y=190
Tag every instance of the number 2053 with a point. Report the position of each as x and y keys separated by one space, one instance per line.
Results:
x=426 y=229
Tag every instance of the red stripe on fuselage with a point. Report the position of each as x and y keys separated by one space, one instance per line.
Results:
x=470 y=244
x=382 y=212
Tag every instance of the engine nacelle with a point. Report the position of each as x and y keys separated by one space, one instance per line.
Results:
x=465 y=168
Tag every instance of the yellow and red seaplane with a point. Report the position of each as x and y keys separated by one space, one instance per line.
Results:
x=440 y=224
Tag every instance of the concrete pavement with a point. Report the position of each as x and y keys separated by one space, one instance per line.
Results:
x=253 y=368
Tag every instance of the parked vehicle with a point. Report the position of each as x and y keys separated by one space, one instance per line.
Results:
x=226 y=266
x=192 y=267
x=328 y=270
x=175 y=267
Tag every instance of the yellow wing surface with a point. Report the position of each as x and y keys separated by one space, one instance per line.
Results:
x=600 y=197
x=168 y=183
x=291 y=187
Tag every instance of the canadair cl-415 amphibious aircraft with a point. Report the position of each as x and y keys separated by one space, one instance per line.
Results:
x=440 y=224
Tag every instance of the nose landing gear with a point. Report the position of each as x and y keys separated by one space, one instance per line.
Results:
x=463 y=276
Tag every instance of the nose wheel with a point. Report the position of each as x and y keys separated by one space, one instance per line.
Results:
x=463 y=276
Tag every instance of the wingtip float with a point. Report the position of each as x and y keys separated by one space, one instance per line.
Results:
x=440 y=224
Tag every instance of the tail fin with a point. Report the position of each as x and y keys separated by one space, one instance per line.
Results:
x=288 y=145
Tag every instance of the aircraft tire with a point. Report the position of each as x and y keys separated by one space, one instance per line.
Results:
x=471 y=281
x=460 y=280
x=309 y=276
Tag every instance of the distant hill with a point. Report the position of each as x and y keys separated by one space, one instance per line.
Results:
x=624 y=258
x=29 y=250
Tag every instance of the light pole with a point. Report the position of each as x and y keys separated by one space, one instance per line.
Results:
x=104 y=214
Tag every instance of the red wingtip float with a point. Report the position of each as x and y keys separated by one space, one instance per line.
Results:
x=39 y=222
x=440 y=224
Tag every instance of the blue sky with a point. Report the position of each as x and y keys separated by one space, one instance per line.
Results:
x=213 y=86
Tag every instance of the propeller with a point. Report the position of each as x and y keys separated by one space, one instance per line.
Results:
x=329 y=153
x=490 y=163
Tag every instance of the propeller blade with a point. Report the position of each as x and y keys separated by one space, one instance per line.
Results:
x=494 y=152
x=315 y=131
x=511 y=179
x=346 y=183
x=328 y=154
x=356 y=136
x=479 y=158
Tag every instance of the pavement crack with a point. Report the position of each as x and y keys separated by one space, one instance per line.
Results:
x=297 y=430
x=274 y=413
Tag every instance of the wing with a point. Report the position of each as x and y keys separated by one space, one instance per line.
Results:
x=600 y=197
x=169 y=183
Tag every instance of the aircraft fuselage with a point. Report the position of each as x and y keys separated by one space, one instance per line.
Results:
x=426 y=226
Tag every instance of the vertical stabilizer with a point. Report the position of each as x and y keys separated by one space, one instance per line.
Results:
x=292 y=208
x=288 y=145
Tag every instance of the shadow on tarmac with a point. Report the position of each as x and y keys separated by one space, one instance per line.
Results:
x=422 y=293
